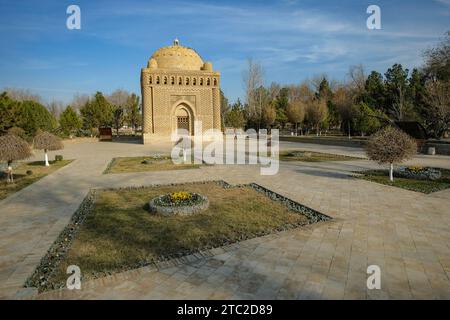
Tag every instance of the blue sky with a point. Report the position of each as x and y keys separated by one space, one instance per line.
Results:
x=293 y=40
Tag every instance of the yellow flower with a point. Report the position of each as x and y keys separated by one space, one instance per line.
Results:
x=180 y=196
x=415 y=168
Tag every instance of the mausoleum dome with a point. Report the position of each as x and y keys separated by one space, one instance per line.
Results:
x=177 y=57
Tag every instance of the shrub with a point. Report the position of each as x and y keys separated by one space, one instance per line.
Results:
x=47 y=141
x=19 y=132
x=13 y=148
x=58 y=157
x=391 y=145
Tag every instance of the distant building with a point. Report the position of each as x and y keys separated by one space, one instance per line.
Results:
x=178 y=88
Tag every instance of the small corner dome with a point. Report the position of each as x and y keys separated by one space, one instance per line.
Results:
x=207 y=66
x=152 y=64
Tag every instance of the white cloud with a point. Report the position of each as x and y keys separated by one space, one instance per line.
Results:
x=446 y=2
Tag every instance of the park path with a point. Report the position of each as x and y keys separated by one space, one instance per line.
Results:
x=407 y=234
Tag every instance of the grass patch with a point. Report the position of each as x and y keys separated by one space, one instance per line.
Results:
x=311 y=156
x=136 y=164
x=118 y=233
x=22 y=179
x=424 y=186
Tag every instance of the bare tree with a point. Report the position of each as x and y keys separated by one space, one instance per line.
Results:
x=296 y=113
x=437 y=60
x=343 y=101
x=317 y=80
x=316 y=113
x=118 y=97
x=305 y=92
x=274 y=90
x=391 y=145
x=79 y=101
x=438 y=99
x=56 y=107
x=357 y=77
x=23 y=95
x=253 y=79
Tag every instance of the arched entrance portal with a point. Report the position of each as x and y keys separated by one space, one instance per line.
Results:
x=184 y=119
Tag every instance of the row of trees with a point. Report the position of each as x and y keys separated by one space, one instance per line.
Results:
x=360 y=105
x=20 y=109
x=111 y=111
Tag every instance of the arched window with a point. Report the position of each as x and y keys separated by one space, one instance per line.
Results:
x=172 y=80
x=180 y=81
x=194 y=81
x=187 y=81
x=165 y=80
x=208 y=82
x=215 y=82
x=157 y=80
x=150 y=80
x=201 y=81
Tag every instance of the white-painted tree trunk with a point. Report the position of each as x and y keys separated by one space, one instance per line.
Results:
x=391 y=172
x=46 y=159
x=9 y=174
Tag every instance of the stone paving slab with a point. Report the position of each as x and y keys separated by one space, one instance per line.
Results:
x=406 y=233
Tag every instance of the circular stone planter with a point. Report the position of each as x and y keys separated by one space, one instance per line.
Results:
x=168 y=210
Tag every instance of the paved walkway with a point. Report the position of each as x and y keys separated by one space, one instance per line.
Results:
x=406 y=233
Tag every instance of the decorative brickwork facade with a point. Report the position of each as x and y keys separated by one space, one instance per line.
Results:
x=177 y=89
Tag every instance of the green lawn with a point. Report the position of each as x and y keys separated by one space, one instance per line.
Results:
x=22 y=179
x=119 y=233
x=424 y=186
x=310 y=156
x=135 y=164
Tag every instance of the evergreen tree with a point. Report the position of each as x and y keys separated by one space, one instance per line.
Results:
x=133 y=115
x=235 y=117
x=97 y=112
x=375 y=92
x=417 y=91
x=29 y=115
x=224 y=107
x=69 y=121
x=397 y=92
x=280 y=104
x=34 y=117
x=10 y=113
x=366 y=120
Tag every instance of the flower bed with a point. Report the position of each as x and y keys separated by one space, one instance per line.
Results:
x=427 y=180
x=311 y=156
x=419 y=173
x=182 y=202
